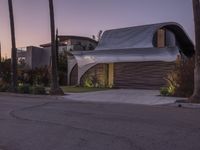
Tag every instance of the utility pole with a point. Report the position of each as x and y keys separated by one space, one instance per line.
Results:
x=196 y=95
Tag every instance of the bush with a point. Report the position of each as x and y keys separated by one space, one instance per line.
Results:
x=91 y=81
x=4 y=87
x=5 y=70
x=37 y=76
x=88 y=83
x=24 y=88
x=38 y=90
x=181 y=79
x=167 y=91
x=164 y=91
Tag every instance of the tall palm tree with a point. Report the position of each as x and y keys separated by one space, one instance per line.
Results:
x=0 y=54
x=55 y=89
x=0 y=60
x=14 y=50
x=196 y=95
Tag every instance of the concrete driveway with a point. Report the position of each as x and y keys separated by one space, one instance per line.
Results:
x=132 y=96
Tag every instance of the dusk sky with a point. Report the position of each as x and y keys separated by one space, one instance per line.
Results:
x=87 y=17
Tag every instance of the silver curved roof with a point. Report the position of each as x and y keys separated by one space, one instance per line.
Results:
x=142 y=37
x=126 y=55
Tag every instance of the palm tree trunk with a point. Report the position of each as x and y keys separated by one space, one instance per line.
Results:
x=13 y=53
x=0 y=60
x=0 y=54
x=57 y=48
x=55 y=89
x=196 y=95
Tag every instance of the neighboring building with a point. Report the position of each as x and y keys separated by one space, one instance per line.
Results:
x=73 y=43
x=134 y=57
x=34 y=57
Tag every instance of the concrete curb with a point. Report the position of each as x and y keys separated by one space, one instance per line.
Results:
x=30 y=96
x=185 y=105
x=188 y=105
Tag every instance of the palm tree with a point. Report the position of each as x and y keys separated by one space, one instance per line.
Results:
x=13 y=53
x=0 y=54
x=0 y=60
x=55 y=89
x=196 y=95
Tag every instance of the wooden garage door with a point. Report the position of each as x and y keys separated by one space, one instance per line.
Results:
x=141 y=75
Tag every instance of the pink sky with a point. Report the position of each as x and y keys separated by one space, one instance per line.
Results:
x=87 y=17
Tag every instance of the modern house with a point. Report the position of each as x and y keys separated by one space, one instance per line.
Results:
x=134 y=57
x=34 y=57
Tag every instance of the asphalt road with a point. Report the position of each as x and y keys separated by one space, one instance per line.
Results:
x=56 y=124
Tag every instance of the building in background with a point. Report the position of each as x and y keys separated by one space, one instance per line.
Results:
x=73 y=43
x=33 y=57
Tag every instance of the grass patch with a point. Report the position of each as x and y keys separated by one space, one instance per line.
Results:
x=75 y=89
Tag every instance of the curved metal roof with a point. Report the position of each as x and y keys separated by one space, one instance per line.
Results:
x=142 y=37
x=126 y=55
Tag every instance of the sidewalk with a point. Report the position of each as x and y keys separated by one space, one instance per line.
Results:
x=132 y=96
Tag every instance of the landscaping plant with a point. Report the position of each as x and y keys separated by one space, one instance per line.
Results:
x=180 y=81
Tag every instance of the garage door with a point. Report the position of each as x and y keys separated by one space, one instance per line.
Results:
x=141 y=75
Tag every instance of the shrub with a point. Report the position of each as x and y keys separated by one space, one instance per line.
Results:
x=38 y=90
x=36 y=76
x=4 y=87
x=5 y=70
x=181 y=79
x=92 y=81
x=164 y=91
x=88 y=83
x=63 y=67
x=24 y=88
x=167 y=91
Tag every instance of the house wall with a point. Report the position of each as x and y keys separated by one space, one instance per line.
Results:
x=74 y=76
x=77 y=45
x=97 y=73
x=35 y=57
x=136 y=75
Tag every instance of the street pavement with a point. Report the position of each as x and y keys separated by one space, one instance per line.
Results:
x=57 y=123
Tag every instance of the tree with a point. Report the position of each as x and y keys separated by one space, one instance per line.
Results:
x=14 y=50
x=5 y=70
x=99 y=35
x=0 y=59
x=0 y=54
x=196 y=95
x=55 y=89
